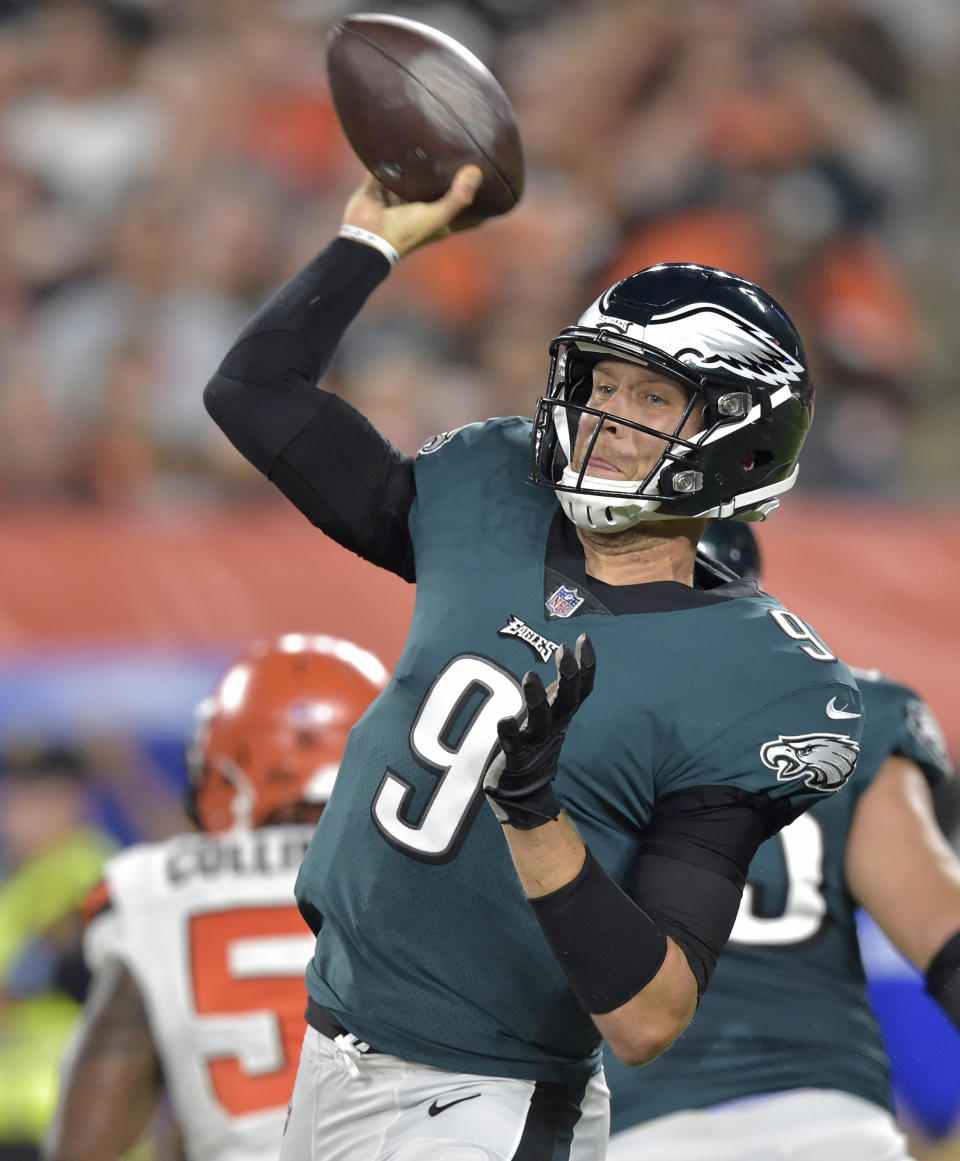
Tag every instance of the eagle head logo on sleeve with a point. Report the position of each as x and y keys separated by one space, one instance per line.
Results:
x=823 y=761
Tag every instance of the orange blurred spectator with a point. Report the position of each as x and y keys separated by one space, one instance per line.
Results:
x=714 y=235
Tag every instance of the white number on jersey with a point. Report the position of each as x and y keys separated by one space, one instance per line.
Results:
x=798 y=630
x=805 y=906
x=456 y=753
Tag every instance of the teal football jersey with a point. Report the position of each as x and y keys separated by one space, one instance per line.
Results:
x=787 y=1006
x=426 y=946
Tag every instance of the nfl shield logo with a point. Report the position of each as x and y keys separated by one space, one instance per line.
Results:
x=564 y=602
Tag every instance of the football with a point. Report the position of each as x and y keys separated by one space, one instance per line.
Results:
x=415 y=105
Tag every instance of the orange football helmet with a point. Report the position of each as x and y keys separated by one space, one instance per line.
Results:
x=273 y=730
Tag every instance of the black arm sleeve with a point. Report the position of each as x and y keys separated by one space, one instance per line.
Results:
x=608 y=947
x=690 y=874
x=686 y=883
x=319 y=451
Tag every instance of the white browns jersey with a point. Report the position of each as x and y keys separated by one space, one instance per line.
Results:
x=208 y=927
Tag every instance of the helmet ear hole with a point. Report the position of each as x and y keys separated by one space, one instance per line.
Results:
x=760 y=458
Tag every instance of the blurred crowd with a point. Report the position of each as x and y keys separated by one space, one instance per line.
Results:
x=164 y=164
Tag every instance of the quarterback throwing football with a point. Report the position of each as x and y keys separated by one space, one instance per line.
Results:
x=468 y=959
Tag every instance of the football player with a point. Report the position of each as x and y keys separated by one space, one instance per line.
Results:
x=784 y=1057
x=454 y=1010
x=196 y=944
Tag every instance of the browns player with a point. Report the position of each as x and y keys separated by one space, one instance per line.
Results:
x=196 y=944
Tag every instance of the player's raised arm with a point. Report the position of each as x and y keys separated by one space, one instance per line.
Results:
x=319 y=451
x=112 y=1079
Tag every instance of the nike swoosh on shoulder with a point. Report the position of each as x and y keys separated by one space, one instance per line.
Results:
x=435 y=1108
x=833 y=712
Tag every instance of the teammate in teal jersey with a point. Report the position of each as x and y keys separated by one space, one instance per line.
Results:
x=454 y=1011
x=784 y=1057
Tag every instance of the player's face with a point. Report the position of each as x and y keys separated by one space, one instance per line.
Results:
x=641 y=395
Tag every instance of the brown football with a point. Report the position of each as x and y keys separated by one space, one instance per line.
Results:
x=415 y=105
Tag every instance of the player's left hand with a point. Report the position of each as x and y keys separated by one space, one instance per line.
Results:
x=519 y=781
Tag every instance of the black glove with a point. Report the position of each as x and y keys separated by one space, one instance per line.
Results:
x=519 y=780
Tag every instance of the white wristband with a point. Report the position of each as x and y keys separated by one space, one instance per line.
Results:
x=356 y=234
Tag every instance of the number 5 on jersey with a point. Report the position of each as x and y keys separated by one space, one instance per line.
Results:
x=247 y=972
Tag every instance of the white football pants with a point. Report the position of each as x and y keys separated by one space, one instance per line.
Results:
x=804 y=1125
x=354 y=1106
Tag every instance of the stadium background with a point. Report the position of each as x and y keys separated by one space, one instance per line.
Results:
x=165 y=163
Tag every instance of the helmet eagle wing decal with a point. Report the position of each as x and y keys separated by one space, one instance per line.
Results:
x=709 y=338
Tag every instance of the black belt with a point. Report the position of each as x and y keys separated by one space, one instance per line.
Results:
x=324 y=1021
